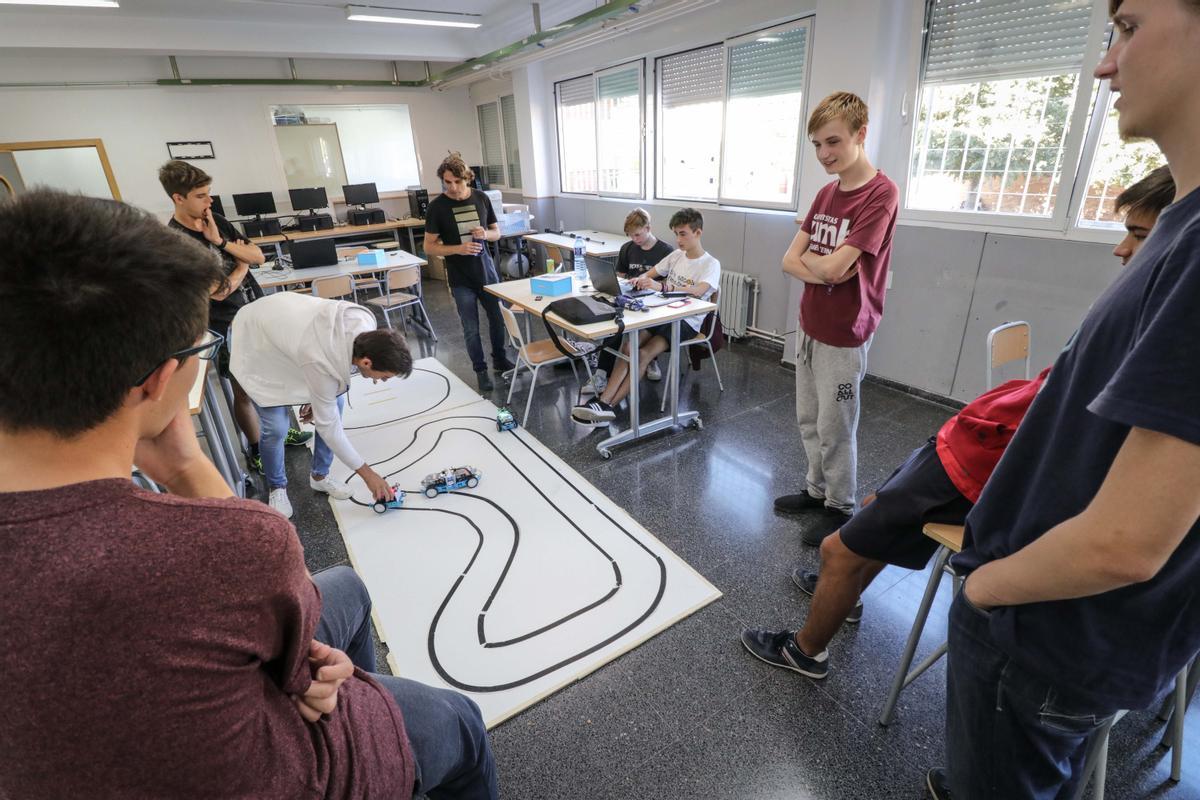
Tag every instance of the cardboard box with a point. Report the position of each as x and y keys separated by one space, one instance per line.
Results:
x=551 y=285
x=436 y=268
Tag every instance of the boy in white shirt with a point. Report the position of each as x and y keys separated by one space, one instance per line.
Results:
x=688 y=269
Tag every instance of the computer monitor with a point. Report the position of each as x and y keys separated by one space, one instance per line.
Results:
x=217 y=206
x=308 y=199
x=360 y=194
x=254 y=204
x=308 y=253
x=480 y=182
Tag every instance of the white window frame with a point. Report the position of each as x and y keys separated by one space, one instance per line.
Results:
x=721 y=201
x=1078 y=151
x=640 y=64
x=503 y=145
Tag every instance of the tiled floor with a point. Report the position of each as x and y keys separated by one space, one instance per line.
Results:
x=690 y=714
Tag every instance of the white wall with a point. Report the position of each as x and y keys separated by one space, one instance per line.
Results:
x=136 y=122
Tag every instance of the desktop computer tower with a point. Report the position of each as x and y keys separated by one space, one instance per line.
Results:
x=418 y=202
x=261 y=227
x=316 y=222
x=366 y=216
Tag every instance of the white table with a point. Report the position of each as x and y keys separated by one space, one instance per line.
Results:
x=278 y=279
x=518 y=293
x=600 y=243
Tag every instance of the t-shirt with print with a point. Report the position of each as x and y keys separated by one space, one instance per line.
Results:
x=632 y=260
x=846 y=315
x=221 y=312
x=453 y=220
x=156 y=640
x=682 y=272
x=1134 y=362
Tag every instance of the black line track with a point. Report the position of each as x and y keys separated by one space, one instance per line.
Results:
x=437 y=665
x=441 y=400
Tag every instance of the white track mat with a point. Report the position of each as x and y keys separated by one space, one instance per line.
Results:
x=510 y=590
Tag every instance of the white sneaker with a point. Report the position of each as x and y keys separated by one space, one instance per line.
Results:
x=330 y=488
x=653 y=373
x=279 y=501
x=594 y=386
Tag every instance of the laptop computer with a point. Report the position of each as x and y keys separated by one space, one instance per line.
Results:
x=603 y=274
x=307 y=253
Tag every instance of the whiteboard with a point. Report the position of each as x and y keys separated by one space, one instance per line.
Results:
x=312 y=156
x=71 y=169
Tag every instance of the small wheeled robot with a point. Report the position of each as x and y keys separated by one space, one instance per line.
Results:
x=505 y=421
x=397 y=501
x=450 y=479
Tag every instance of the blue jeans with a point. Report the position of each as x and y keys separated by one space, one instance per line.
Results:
x=465 y=299
x=275 y=424
x=449 y=741
x=1009 y=733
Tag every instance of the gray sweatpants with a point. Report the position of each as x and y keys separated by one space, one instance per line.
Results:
x=827 y=404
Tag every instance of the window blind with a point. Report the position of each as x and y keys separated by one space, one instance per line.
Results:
x=508 y=113
x=489 y=135
x=576 y=92
x=772 y=64
x=697 y=76
x=618 y=84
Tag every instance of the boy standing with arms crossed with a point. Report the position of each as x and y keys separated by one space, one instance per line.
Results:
x=841 y=252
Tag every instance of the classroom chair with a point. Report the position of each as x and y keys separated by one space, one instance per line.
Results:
x=534 y=356
x=335 y=287
x=712 y=320
x=1008 y=343
x=393 y=299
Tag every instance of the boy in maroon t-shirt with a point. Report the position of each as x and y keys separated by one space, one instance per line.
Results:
x=841 y=252
x=939 y=482
x=170 y=645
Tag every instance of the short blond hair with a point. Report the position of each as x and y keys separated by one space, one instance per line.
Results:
x=845 y=106
x=638 y=218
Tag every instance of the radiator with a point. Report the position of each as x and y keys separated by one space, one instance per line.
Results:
x=736 y=302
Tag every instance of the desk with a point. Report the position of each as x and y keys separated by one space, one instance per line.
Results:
x=518 y=293
x=273 y=279
x=394 y=226
x=202 y=403
x=601 y=244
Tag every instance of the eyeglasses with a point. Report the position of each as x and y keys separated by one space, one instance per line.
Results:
x=204 y=350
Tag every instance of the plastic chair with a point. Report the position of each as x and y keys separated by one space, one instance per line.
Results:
x=534 y=356
x=334 y=287
x=1008 y=343
x=391 y=299
x=699 y=339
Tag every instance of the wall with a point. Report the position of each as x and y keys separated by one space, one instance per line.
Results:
x=135 y=122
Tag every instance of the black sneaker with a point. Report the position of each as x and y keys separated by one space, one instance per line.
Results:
x=595 y=411
x=485 y=383
x=502 y=366
x=798 y=503
x=807 y=583
x=829 y=521
x=936 y=785
x=779 y=649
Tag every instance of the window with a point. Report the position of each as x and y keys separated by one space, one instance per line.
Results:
x=332 y=146
x=498 y=137
x=610 y=101
x=729 y=119
x=999 y=106
x=1115 y=167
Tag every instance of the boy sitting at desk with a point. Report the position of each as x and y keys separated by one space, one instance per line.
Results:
x=688 y=269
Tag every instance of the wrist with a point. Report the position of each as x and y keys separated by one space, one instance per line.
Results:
x=197 y=477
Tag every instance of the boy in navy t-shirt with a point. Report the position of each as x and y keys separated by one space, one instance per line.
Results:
x=1083 y=553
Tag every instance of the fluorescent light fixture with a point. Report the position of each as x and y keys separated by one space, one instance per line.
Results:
x=407 y=16
x=75 y=3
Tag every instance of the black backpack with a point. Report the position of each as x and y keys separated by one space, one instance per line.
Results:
x=581 y=311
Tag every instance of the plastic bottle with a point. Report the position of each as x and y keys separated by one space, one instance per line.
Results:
x=581 y=273
x=549 y=265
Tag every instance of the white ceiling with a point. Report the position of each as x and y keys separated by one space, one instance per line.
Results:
x=300 y=28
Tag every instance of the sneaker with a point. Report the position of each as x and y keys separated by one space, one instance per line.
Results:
x=485 y=383
x=830 y=520
x=807 y=583
x=254 y=464
x=595 y=385
x=297 y=437
x=797 y=503
x=279 y=501
x=653 y=373
x=936 y=785
x=330 y=488
x=779 y=649
x=595 y=411
x=502 y=366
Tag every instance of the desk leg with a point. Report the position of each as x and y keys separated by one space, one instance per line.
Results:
x=208 y=424
x=635 y=415
x=412 y=241
x=673 y=362
x=219 y=441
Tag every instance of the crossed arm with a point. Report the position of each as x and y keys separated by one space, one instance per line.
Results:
x=838 y=267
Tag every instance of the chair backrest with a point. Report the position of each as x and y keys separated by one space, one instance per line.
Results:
x=403 y=277
x=333 y=287
x=1007 y=343
x=510 y=322
x=562 y=261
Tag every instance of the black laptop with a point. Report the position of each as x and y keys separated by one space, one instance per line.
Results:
x=308 y=253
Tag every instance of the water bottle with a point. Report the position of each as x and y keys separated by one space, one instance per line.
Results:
x=581 y=273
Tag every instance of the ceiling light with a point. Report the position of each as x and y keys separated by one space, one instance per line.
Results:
x=406 y=16
x=76 y=3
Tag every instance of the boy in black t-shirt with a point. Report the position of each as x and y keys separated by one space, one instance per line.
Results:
x=189 y=189
x=458 y=224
